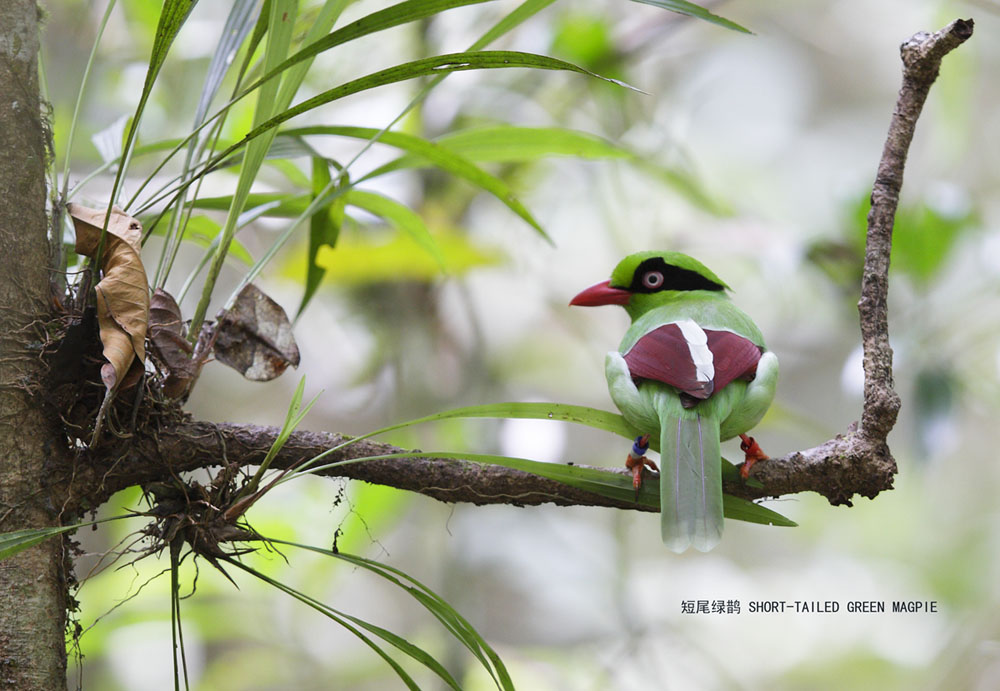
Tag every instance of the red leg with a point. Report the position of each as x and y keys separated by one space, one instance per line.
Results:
x=637 y=460
x=753 y=452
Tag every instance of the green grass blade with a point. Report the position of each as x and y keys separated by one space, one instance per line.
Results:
x=449 y=617
x=591 y=417
x=259 y=31
x=279 y=36
x=438 y=64
x=293 y=69
x=437 y=155
x=510 y=143
x=293 y=418
x=606 y=483
x=286 y=206
x=172 y=18
x=524 y=11
x=19 y=540
x=202 y=231
x=396 y=15
x=242 y=17
x=324 y=229
x=696 y=11
x=513 y=144
x=246 y=218
x=342 y=619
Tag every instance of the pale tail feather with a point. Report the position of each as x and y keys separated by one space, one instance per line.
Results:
x=690 y=482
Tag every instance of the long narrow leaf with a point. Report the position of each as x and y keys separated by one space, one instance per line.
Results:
x=449 y=617
x=441 y=64
x=172 y=18
x=510 y=21
x=242 y=17
x=324 y=230
x=439 y=156
x=281 y=205
x=397 y=15
x=617 y=486
x=510 y=143
x=438 y=64
x=522 y=13
x=591 y=417
x=696 y=11
x=414 y=651
x=383 y=19
x=19 y=540
x=506 y=143
x=279 y=37
x=293 y=418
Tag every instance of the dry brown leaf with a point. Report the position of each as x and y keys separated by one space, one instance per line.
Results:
x=255 y=337
x=123 y=293
x=172 y=350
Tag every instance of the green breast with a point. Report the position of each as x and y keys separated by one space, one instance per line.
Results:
x=709 y=310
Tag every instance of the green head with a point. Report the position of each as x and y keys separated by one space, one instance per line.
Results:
x=645 y=280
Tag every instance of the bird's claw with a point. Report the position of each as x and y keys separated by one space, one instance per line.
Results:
x=637 y=460
x=753 y=452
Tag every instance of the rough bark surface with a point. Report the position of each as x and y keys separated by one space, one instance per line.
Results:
x=32 y=583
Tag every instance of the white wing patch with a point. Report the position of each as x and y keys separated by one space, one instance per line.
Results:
x=697 y=342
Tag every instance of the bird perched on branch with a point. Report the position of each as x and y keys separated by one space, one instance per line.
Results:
x=692 y=369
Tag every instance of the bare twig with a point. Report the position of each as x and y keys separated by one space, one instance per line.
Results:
x=921 y=56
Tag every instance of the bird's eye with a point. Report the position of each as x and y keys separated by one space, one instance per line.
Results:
x=652 y=280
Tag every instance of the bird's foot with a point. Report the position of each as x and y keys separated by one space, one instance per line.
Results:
x=637 y=460
x=753 y=452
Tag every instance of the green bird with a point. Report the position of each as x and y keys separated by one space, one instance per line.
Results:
x=692 y=368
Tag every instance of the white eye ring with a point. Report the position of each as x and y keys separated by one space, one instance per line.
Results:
x=652 y=279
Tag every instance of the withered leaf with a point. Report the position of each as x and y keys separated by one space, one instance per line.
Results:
x=122 y=293
x=255 y=337
x=170 y=347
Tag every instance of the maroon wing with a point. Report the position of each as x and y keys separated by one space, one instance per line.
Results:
x=734 y=357
x=663 y=355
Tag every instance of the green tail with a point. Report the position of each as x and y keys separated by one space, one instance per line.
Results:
x=690 y=480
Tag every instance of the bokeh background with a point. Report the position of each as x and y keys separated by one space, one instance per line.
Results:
x=754 y=153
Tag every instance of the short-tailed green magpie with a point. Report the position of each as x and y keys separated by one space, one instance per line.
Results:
x=692 y=368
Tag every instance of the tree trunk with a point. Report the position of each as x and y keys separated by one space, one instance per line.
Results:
x=33 y=591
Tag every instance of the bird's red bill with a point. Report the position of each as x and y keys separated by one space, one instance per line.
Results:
x=601 y=294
